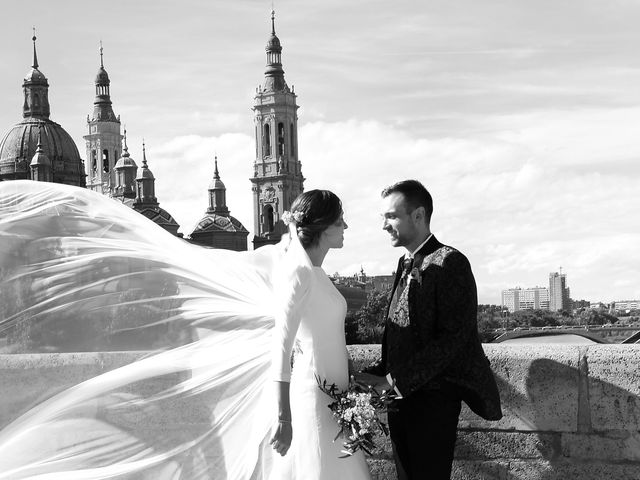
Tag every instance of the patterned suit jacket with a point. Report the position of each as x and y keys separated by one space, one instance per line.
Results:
x=431 y=337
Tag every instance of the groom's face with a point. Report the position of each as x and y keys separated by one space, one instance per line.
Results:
x=397 y=221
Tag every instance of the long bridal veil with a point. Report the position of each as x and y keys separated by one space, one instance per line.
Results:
x=188 y=395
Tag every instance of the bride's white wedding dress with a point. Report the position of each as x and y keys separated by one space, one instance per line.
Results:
x=321 y=353
x=80 y=272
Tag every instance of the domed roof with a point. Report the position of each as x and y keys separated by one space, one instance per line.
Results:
x=159 y=216
x=35 y=76
x=126 y=162
x=218 y=223
x=102 y=78
x=144 y=172
x=273 y=43
x=19 y=145
x=216 y=184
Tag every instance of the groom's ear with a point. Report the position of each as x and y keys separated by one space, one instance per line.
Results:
x=420 y=214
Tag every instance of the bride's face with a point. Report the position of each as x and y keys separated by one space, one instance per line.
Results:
x=333 y=236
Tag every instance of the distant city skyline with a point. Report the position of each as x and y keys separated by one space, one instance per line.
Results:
x=520 y=117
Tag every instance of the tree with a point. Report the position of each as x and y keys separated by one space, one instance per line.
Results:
x=369 y=320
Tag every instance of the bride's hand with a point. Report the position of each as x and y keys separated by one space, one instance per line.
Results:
x=281 y=440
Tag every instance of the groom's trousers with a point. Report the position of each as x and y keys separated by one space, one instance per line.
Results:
x=423 y=428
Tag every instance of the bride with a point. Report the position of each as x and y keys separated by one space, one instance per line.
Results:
x=214 y=396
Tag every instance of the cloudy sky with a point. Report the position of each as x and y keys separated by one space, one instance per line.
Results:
x=520 y=117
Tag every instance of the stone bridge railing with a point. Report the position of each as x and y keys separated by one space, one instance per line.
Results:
x=571 y=412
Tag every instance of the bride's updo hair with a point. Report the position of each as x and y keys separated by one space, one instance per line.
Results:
x=320 y=209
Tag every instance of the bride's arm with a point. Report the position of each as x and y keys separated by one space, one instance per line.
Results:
x=283 y=433
x=287 y=320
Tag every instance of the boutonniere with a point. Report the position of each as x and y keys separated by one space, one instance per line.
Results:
x=415 y=275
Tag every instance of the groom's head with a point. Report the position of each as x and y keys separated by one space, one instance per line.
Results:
x=406 y=211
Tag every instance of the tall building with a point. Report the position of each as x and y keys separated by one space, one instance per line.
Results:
x=135 y=187
x=39 y=139
x=103 y=142
x=558 y=292
x=277 y=178
x=511 y=299
x=536 y=298
x=145 y=201
x=218 y=229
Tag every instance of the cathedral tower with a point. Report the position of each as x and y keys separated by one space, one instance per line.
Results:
x=104 y=138
x=218 y=229
x=125 y=174
x=277 y=178
x=37 y=148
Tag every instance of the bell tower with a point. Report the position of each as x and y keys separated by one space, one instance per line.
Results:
x=104 y=139
x=277 y=173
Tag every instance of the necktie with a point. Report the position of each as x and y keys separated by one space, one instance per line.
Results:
x=407 y=265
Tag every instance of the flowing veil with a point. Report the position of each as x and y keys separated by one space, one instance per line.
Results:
x=191 y=397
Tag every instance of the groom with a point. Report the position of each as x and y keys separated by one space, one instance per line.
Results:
x=430 y=349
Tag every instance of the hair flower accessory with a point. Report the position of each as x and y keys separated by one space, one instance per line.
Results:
x=295 y=217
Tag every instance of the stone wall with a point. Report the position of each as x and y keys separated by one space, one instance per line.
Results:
x=570 y=411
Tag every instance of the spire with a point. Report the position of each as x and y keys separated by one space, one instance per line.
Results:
x=217 y=194
x=126 y=170
x=40 y=163
x=146 y=183
x=273 y=21
x=35 y=56
x=36 y=89
x=274 y=75
x=144 y=155
x=125 y=149
x=102 y=109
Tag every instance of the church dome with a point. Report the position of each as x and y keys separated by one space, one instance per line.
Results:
x=159 y=216
x=216 y=184
x=218 y=223
x=273 y=43
x=102 y=78
x=35 y=76
x=19 y=145
x=125 y=161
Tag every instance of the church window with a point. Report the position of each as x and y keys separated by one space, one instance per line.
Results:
x=94 y=165
x=292 y=149
x=105 y=160
x=36 y=100
x=281 y=138
x=268 y=219
x=266 y=140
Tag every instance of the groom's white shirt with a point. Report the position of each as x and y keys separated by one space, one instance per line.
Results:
x=410 y=255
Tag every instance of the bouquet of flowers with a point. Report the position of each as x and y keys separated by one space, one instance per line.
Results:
x=357 y=411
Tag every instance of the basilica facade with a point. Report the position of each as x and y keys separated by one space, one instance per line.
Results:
x=39 y=149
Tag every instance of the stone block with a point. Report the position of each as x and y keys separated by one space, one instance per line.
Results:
x=539 y=388
x=501 y=445
x=614 y=386
x=480 y=470
x=615 y=446
x=540 y=470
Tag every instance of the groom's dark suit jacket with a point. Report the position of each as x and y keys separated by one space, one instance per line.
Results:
x=431 y=337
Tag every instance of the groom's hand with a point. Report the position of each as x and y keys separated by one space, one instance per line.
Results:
x=370 y=380
x=282 y=435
